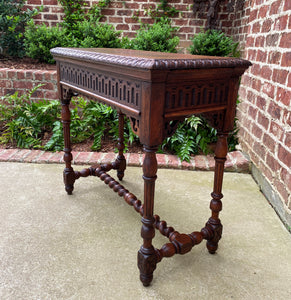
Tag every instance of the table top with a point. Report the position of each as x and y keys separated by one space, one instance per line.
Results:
x=148 y=59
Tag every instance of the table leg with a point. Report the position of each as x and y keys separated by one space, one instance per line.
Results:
x=69 y=174
x=213 y=228
x=147 y=258
x=120 y=146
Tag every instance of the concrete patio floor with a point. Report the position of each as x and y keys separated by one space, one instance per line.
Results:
x=84 y=246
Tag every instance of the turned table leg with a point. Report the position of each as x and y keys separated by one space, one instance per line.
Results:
x=147 y=258
x=120 y=146
x=213 y=229
x=69 y=175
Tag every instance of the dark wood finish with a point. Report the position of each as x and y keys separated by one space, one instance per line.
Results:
x=156 y=91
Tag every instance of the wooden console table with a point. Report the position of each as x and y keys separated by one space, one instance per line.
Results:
x=156 y=91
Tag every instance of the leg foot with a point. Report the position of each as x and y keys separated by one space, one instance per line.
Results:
x=69 y=180
x=146 y=264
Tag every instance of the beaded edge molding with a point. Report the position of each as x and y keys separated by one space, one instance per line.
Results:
x=149 y=63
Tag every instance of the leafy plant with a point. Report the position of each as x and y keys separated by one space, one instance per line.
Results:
x=191 y=137
x=74 y=12
x=40 y=39
x=92 y=34
x=156 y=37
x=214 y=43
x=13 y=19
x=79 y=29
x=24 y=121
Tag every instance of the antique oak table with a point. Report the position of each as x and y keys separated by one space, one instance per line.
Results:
x=155 y=91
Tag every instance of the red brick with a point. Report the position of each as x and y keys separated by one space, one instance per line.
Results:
x=50 y=2
x=253 y=15
x=7 y=154
x=260 y=41
x=261 y=56
x=256 y=27
x=284 y=155
x=188 y=165
x=281 y=23
x=115 y=20
x=283 y=96
x=95 y=158
x=285 y=176
x=173 y=161
x=287 y=5
x=259 y=149
x=161 y=160
x=23 y=85
x=263 y=11
x=11 y=74
x=51 y=95
x=289 y=80
x=257 y=84
x=34 y=2
x=272 y=162
x=256 y=70
x=108 y=12
x=250 y=41
x=286 y=40
x=287 y=116
x=20 y=155
x=274 y=57
x=83 y=158
x=268 y=89
x=266 y=72
x=280 y=76
x=272 y=40
x=43 y=158
x=267 y=25
x=257 y=131
x=29 y=74
x=275 y=7
x=32 y=155
x=286 y=59
x=122 y=27
x=20 y=74
x=200 y=163
x=274 y=110
x=269 y=142
x=211 y=162
x=276 y=130
x=261 y=103
x=287 y=141
x=134 y=159
x=57 y=157
x=252 y=112
x=263 y=120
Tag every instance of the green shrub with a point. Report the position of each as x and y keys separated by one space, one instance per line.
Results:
x=213 y=43
x=156 y=37
x=12 y=25
x=40 y=39
x=95 y=35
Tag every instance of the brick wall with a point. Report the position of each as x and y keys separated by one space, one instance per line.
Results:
x=265 y=92
x=12 y=80
x=120 y=14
